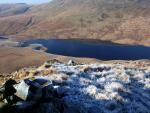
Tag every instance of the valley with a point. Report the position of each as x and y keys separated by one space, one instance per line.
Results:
x=122 y=21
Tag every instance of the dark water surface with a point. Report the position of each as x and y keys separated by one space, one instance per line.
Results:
x=3 y=38
x=103 y=51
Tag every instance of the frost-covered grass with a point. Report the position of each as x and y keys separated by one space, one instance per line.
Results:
x=98 y=88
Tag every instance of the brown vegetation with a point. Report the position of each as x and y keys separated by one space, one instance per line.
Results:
x=12 y=59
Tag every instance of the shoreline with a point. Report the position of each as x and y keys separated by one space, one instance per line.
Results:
x=79 y=39
x=14 y=59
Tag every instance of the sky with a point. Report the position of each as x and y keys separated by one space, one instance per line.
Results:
x=24 y=1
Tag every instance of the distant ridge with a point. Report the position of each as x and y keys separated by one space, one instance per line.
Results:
x=13 y=9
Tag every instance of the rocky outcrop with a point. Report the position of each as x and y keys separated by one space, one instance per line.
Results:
x=97 y=88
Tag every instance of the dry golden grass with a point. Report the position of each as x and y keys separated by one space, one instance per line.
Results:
x=12 y=59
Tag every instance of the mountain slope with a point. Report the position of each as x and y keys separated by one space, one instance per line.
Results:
x=121 y=21
x=13 y=9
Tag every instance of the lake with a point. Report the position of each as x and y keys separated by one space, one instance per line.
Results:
x=98 y=50
x=3 y=38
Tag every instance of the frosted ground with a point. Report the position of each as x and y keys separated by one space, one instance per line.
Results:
x=98 y=88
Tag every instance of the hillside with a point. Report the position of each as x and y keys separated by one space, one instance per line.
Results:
x=120 y=21
x=94 y=88
x=13 y=9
